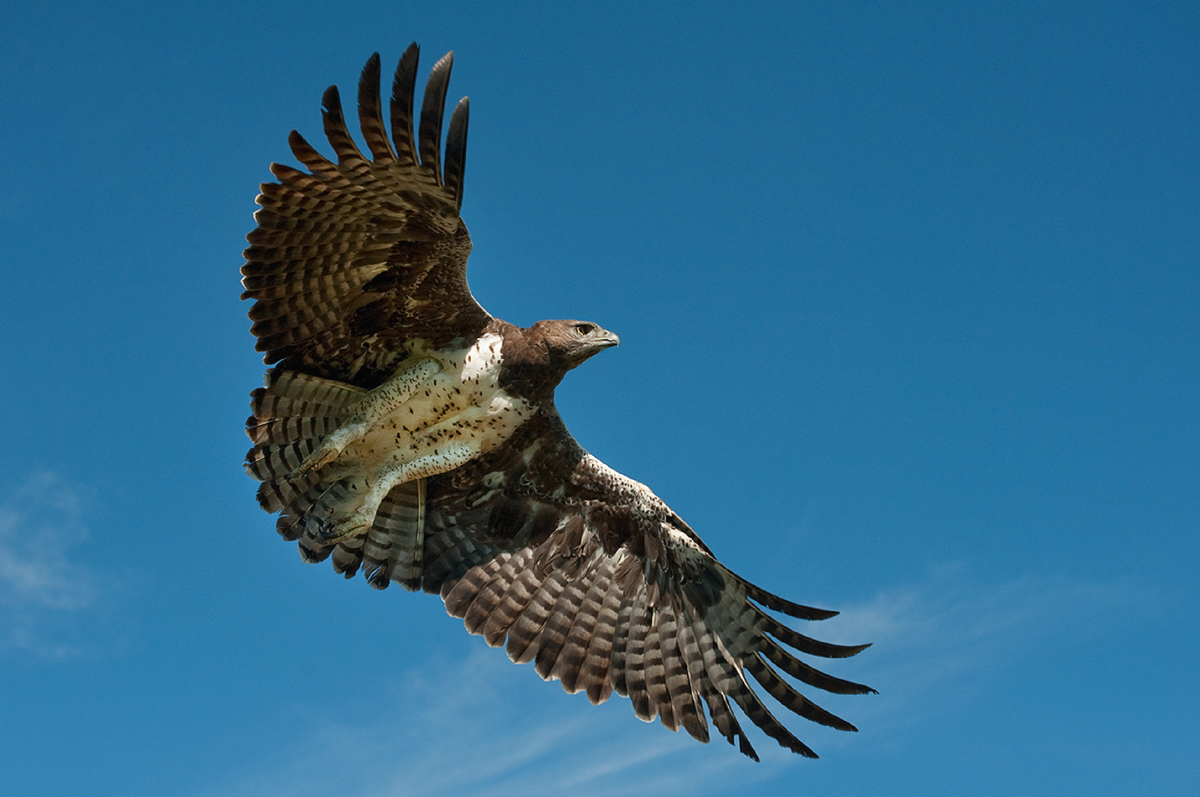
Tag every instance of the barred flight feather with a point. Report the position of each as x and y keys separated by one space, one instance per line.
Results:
x=553 y=636
x=466 y=594
x=524 y=583
x=522 y=634
x=658 y=699
x=572 y=655
x=597 y=667
x=481 y=615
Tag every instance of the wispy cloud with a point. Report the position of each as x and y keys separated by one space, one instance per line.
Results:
x=42 y=582
x=938 y=640
x=481 y=726
x=485 y=727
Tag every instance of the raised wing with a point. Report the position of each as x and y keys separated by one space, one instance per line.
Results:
x=540 y=547
x=356 y=259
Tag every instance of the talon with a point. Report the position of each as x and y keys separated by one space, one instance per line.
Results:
x=340 y=528
x=317 y=460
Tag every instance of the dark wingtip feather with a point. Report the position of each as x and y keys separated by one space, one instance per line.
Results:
x=307 y=154
x=432 y=108
x=806 y=644
x=331 y=100
x=810 y=675
x=789 y=698
x=370 y=114
x=368 y=80
x=312 y=555
x=335 y=127
x=403 y=87
x=776 y=603
x=456 y=150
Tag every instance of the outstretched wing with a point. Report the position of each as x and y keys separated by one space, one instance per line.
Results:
x=541 y=547
x=354 y=260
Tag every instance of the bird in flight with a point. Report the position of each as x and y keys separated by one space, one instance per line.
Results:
x=406 y=433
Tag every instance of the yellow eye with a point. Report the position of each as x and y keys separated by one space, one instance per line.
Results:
x=583 y=329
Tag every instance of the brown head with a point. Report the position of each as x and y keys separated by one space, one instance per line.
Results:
x=536 y=359
x=569 y=343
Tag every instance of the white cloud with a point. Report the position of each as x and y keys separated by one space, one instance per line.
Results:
x=937 y=641
x=486 y=727
x=42 y=524
x=482 y=726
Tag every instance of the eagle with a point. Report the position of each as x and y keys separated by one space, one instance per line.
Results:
x=405 y=432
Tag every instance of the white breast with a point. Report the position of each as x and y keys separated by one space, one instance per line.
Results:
x=460 y=405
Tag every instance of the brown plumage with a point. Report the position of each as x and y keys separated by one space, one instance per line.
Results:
x=407 y=433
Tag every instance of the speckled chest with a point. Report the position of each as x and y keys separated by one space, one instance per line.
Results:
x=461 y=405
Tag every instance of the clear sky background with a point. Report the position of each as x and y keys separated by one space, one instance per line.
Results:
x=908 y=297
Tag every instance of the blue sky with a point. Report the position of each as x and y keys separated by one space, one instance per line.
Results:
x=908 y=301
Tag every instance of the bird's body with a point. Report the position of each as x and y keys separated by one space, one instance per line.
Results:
x=407 y=433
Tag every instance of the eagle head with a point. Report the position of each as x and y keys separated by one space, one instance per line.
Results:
x=569 y=343
x=537 y=358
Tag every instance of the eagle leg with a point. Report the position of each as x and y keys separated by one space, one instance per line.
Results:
x=369 y=413
x=343 y=525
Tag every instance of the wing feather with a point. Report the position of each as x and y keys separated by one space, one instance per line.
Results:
x=431 y=115
x=403 y=88
x=707 y=663
x=524 y=583
x=456 y=150
x=777 y=688
x=570 y=665
x=655 y=671
x=450 y=552
x=629 y=654
x=596 y=673
x=370 y=113
x=349 y=157
x=685 y=701
x=463 y=596
x=525 y=631
x=595 y=580
x=553 y=636
x=482 y=615
x=358 y=257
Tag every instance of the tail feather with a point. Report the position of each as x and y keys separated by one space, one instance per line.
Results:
x=312 y=389
x=347 y=556
x=290 y=418
x=275 y=463
x=394 y=549
x=279 y=430
x=292 y=520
